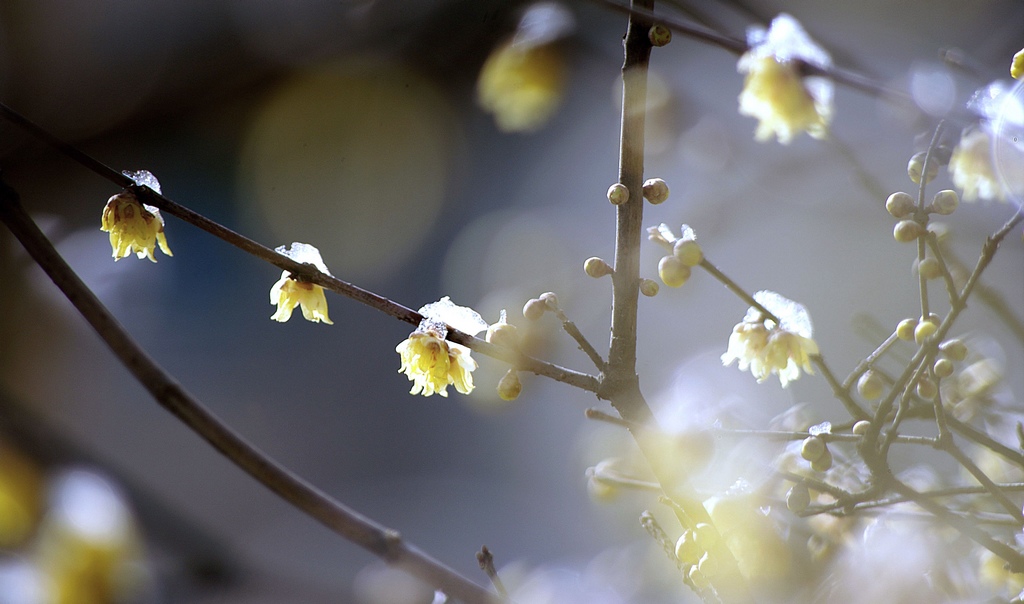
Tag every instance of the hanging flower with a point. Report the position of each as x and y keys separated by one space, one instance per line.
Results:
x=288 y=293
x=988 y=162
x=1017 y=67
x=765 y=348
x=135 y=228
x=432 y=363
x=784 y=102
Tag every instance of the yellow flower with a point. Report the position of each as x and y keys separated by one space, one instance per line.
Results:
x=432 y=363
x=784 y=102
x=288 y=293
x=766 y=348
x=971 y=167
x=134 y=228
x=1017 y=67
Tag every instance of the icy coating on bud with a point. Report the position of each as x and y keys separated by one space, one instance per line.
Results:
x=288 y=293
x=900 y=204
x=766 y=348
x=509 y=386
x=134 y=228
x=656 y=190
x=432 y=363
x=774 y=91
x=596 y=267
x=618 y=194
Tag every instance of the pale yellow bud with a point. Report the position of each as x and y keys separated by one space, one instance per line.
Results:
x=649 y=287
x=697 y=578
x=656 y=190
x=550 y=300
x=673 y=272
x=706 y=535
x=812 y=448
x=900 y=205
x=798 y=498
x=945 y=202
x=943 y=368
x=687 y=549
x=861 y=428
x=916 y=166
x=659 y=35
x=905 y=329
x=618 y=194
x=906 y=231
x=924 y=330
x=709 y=566
x=823 y=463
x=870 y=385
x=954 y=349
x=534 y=309
x=596 y=267
x=509 y=386
x=926 y=389
x=930 y=268
x=688 y=251
x=503 y=334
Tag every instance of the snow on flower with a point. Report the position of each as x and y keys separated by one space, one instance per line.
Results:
x=988 y=162
x=288 y=293
x=135 y=228
x=784 y=102
x=432 y=363
x=765 y=348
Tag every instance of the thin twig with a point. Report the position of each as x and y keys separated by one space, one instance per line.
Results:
x=869 y=361
x=841 y=393
x=736 y=289
x=601 y=416
x=486 y=560
x=382 y=541
x=581 y=340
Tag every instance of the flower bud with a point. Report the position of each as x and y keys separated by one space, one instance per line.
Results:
x=861 y=428
x=649 y=287
x=823 y=463
x=550 y=300
x=812 y=448
x=954 y=349
x=709 y=566
x=945 y=202
x=870 y=386
x=534 y=309
x=926 y=389
x=924 y=330
x=687 y=550
x=688 y=251
x=503 y=334
x=659 y=35
x=706 y=536
x=905 y=329
x=656 y=190
x=509 y=386
x=916 y=167
x=673 y=272
x=943 y=368
x=798 y=498
x=596 y=267
x=618 y=194
x=900 y=205
x=906 y=231
x=929 y=268
x=697 y=579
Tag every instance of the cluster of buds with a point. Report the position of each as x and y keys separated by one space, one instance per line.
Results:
x=675 y=268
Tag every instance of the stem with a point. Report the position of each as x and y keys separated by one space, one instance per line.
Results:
x=736 y=289
x=379 y=540
x=581 y=340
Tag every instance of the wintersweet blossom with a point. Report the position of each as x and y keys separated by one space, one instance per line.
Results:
x=972 y=169
x=1017 y=66
x=288 y=293
x=785 y=102
x=135 y=228
x=431 y=362
x=765 y=348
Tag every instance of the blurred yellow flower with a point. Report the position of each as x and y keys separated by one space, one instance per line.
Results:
x=288 y=293
x=522 y=85
x=765 y=348
x=971 y=167
x=134 y=228
x=1017 y=67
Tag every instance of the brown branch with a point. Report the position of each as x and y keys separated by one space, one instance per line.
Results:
x=379 y=540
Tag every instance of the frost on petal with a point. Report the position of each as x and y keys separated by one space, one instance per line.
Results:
x=687 y=233
x=304 y=253
x=463 y=318
x=542 y=23
x=794 y=317
x=786 y=40
x=822 y=428
x=143 y=178
x=662 y=235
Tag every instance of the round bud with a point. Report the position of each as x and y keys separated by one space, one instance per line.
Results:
x=943 y=368
x=906 y=231
x=509 y=386
x=534 y=309
x=900 y=205
x=697 y=579
x=706 y=536
x=916 y=167
x=673 y=272
x=823 y=463
x=503 y=334
x=861 y=428
x=659 y=35
x=924 y=330
x=905 y=329
x=687 y=550
x=812 y=448
x=926 y=389
x=596 y=268
x=655 y=190
x=688 y=251
x=649 y=287
x=945 y=202
x=798 y=498
x=709 y=566
x=870 y=386
x=954 y=349
x=550 y=300
x=929 y=268
x=618 y=194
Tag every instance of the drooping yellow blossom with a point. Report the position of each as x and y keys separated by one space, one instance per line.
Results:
x=432 y=363
x=134 y=228
x=765 y=348
x=784 y=102
x=972 y=169
x=1017 y=67
x=288 y=293
x=523 y=79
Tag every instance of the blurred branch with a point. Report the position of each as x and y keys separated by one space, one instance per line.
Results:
x=379 y=540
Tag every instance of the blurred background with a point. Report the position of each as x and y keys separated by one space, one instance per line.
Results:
x=354 y=125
